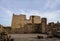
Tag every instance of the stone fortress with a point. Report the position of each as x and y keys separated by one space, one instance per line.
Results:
x=35 y=24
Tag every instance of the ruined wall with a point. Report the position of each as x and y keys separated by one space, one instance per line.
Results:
x=20 y=21
x=36 y=19
x=43 y=25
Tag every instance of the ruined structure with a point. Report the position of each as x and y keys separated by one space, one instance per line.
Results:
x=35 y=24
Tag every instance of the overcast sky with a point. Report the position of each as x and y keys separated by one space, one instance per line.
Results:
x=43 y=8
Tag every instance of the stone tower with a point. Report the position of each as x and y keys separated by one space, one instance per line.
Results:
x=18 y=21
x=43 y=25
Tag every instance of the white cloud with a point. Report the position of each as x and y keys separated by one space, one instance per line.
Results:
x=7 y=11
x=51 y=4
x=6 y=16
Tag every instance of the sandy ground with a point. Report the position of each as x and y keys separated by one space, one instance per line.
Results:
x=26 y=35
x=31 y=37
